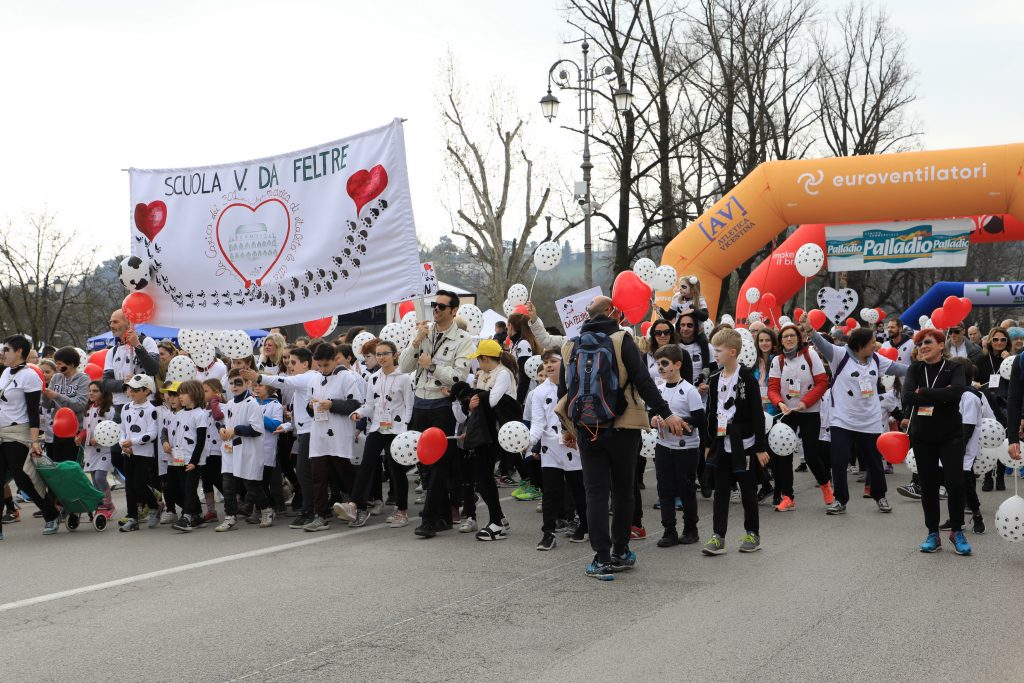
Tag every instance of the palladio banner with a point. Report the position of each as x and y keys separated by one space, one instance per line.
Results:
x=906 y=244
x=279 y=240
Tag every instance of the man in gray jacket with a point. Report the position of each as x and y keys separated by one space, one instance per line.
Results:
x=68 y=388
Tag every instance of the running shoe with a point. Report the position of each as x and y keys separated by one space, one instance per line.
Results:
x=468 y=526
x=623 y=561
x=12 y=516
x=911 y=490
x=867 y=491
x=154 y=519
x=318 y=524
x=51 y=527
x=714 y=546
x=960 y=544
x=399 y=519
x=750 y=543
x=425 y=530
x=168 y=517
x=602 y=571
x=527 y=493
x=764 y=492
x=266 y=518
x=827 y=494
x=130 y=524
x=376 y=507
x=518 y=491
x=362 y=517
x=548 y=542
x=579 y=536
x=979 y=523
x=787 y=504
x=836 y=508
x=931 y=543
x=637 y=532
x=883 y=505
x=184 y=524
x=229 y=524
x=346 y=512
x=299 y=522
x=210 y=516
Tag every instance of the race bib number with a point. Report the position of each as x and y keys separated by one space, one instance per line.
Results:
x=794 y=389
x=723 y=423
x=385 y=426
x=867 y=388
x=993 y=381
x=925 y=411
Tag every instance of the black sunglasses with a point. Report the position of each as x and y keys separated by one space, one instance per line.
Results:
x=440 y=306
x=663 y=333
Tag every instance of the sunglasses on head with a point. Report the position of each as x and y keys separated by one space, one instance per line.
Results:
x=440 y=306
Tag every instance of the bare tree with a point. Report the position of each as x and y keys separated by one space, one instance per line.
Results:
x=488 y=172
x=42 y=267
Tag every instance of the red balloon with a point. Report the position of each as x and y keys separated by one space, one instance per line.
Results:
x=939 y=318
x=65 y=423
x=645 y=328
x=319 y=328
x=816 y=318
x=768 y=301
x=851 y=324
x=953 y=311
x=966 y=306
x=98 y=358
x=405 y=307
x=138 y=307
x=797 y=314
x=521 y=308
x=891 y=354
x=36 y=369
x=94 y=371
x=432 y=445
x=881 y=314
x=631 y=295
x=893 y=446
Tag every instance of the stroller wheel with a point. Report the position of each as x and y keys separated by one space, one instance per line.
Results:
x=99 y=522
x=72 y=522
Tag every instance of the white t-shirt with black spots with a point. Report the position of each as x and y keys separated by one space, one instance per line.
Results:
x=97 y=458
x=683 y=400
x=184 y=427
x=331 y=433
x=13 y=387
x=140 y=424
x=546 y=429
x=388 y=400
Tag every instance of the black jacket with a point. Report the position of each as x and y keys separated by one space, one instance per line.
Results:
x=941 y=392
x=748 y=421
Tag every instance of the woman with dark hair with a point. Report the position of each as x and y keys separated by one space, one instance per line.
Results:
x=662 y=333
x=855 y=414
x=523 y=346
x=766 y=346
x=695 y=343
x=996 y=390
x=68 y=388
x=932 y=391
x=20 y=390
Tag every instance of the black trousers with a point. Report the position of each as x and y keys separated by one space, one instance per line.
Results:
x=483 y=467
x=747 y=481
x=138 y=479
x=808 y=427
x=12 y=462
x=184 y=486
x=437 y=505
x=638 y=503
x=323 y=467
x=676 y=471
x=949 y=456
x=609 y=467
x=375 y=449
x=556 y=481
x=971 y=492
x=844 y=442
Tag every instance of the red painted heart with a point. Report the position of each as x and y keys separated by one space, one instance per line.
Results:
x=277 y=257
x=151 y=218
x=365 y=186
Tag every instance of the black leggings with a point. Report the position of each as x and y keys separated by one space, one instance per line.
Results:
x=377 y=447
x=483 y=461
x=949 y=456
x=808 y=427
x=676 y=472
x=12 y=462
x=184 y=486
x=137 y=484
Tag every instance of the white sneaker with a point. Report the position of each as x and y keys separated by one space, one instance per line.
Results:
x=376 y=507
x=540 y=507
x=399 y=519
x=228 y=524
x=168 y=518
x=419 y=488
x=468 y=526
x=266 y=517
x=345 y=511
x=419 y=499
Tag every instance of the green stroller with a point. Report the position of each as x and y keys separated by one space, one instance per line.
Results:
x=71 y=486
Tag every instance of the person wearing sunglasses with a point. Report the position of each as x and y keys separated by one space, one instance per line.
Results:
x=693 y=340
x=20 y=390
x=996 y=391
x=438 y=357
x=931 y=392
x=661 y=334
x=959 y=346
x=68 y=388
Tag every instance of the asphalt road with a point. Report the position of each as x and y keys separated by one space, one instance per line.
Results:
x=828 y=598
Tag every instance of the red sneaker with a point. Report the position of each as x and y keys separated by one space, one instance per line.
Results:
x=827 y=493
x=210 y=517
x=787 y=504
x=867 y=491
x=637 y=532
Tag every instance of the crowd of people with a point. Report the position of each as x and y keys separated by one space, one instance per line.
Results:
x=279 y=434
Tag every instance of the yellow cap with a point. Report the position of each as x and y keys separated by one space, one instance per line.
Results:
x=487 y=347
x=170 y=386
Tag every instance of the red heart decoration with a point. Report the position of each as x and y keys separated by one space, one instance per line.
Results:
x=816 y=318
x=284 y=242
x=151 y=218
x=893 y=446
x=891 y=354
x=320 y=328
x=365 y=186
x=631 y=295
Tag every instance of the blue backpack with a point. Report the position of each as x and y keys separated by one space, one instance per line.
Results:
x=592 y=382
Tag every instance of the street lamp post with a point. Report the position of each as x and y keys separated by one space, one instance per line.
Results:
x=56 y=287
x=584 y=87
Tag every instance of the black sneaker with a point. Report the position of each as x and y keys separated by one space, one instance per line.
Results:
x=1000 y=484
x=706 y=491
x=979 y=523
x=362 y=516
x=580 y=535
x=689 y=536
x=945 y=526
x=300 y=521
x=623 y=561
x=547 y=543
x=184 y=523
x=561 y=526
x=909 y=491
x=764 y=492
x=669 y=538
x=442 y=525
x=425 y=530
x=802 y=467
x=987 y=484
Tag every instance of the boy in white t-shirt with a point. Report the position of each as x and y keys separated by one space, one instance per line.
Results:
x=974 y=407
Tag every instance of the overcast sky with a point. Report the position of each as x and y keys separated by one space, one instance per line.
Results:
x=94 y=87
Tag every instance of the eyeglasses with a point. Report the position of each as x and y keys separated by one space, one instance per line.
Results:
x=663 y=333
x=664 y=363
x=440 y=306
x=999 y=340
x=384 y=354
x=956 y=330
x=790 y=336
x=238 y=382
x=926 y=342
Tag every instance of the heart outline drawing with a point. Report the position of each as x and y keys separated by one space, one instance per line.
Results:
x=150 y=218
x=364 y=186
x=284 y=243
x=837 y=304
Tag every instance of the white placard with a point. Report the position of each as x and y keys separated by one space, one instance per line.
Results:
x=573 y=310
x=284 y=239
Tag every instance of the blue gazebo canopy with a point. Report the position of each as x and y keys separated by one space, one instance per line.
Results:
x=106 y=340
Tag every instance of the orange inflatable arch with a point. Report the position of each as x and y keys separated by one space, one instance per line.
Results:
x=777 y=194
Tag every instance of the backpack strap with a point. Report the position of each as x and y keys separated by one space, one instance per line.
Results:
x=835 y=376
x=624 y=380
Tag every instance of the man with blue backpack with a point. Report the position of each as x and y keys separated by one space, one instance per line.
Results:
x=605 y=394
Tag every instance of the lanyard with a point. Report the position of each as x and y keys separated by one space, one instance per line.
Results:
x=931 y=384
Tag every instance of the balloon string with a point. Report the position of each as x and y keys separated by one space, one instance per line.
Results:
x=535 y=272
x=805 y=295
